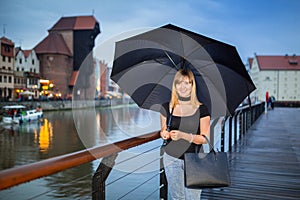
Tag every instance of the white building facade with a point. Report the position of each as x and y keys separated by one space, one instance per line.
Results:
x=27 y=61
x=277 y=75
x=27 y=70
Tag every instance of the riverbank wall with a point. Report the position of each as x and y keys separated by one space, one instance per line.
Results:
x=68 y=105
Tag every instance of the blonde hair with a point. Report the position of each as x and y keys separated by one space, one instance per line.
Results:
x=180 y=74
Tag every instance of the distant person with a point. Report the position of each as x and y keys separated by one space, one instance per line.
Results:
x=272 y=102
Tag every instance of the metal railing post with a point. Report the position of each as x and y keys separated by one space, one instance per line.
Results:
x=212 y=131
x=241 y=124
x=249 y=122
x=223 y=134
x=100 y=176
x=230 y=134
x=244 y=121
x=163 y=191
x=236 y=114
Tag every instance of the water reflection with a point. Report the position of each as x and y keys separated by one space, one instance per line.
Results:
x=45 y=136
x=31 y=142
x=111 y=125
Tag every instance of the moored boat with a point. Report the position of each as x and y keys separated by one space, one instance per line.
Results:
x=18 y=114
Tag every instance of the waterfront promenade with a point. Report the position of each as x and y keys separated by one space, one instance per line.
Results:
x=266 y=163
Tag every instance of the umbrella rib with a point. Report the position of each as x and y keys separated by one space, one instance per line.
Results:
x=171 y=59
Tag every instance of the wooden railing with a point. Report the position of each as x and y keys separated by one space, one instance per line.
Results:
x=25 y=173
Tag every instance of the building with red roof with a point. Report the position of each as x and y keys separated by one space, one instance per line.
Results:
x=26 y=72
x=277 y=75
x=68 y=45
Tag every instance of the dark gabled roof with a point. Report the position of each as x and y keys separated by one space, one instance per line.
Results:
x=279 y=62
x=7 y=41
x=54 y=43
x=26 y=53
x=75 y=23
x=17 y=50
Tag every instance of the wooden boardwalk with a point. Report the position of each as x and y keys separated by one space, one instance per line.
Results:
x=266 y=163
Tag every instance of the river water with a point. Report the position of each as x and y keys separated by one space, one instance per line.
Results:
x=63 y=132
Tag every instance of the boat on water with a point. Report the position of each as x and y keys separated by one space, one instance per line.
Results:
x=18 y=114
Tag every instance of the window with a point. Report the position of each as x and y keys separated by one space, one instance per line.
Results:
x=0 y=79
x=5 y=79
x=20 y=60
x=9 y=79
x=18 y=69
x=267 y=78
x=32 y=62
x=9 y=59
x=293 y=62
x=3 y=58
x=7 y=49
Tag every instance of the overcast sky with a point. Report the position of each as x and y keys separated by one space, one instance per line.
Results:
x=264 y=27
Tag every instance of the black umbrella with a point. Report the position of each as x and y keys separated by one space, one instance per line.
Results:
x=144 y=66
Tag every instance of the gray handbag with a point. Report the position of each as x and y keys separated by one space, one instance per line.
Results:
x=206 y=170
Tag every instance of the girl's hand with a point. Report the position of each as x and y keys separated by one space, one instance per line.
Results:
x=175 y=135
x=165 y=135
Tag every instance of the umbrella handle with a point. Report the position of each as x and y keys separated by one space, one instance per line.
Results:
x=170 y=120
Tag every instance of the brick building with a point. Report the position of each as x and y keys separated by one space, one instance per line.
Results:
x=69 y=43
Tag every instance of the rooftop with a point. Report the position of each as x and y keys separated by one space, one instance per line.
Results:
x=7 y=41
x=53 y=43
x=287 y=62
x=75 y=23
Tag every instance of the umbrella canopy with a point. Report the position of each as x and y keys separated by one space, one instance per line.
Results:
x=144 y=66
